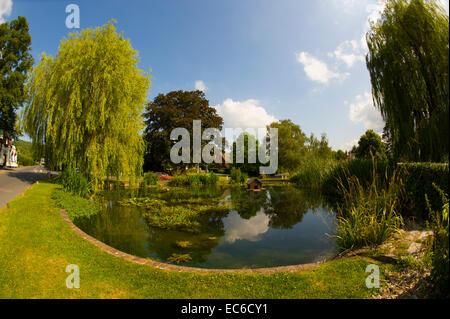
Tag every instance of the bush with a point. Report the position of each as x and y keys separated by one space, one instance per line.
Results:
x=440 y=248
x=74 y=182
x=194 y=180
x=419 y=179
x=150 y=179
x=312 y=172
x=25 y=154
x=237 y=176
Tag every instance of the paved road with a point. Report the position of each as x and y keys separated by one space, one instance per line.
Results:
x=15 y=181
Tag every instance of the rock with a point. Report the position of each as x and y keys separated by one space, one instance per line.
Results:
x=414 y=248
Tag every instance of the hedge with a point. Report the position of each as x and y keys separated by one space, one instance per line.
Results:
x=418 y=179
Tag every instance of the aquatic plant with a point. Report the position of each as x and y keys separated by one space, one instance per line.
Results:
x=368 y=216
x=183 y=243
x=179 y=258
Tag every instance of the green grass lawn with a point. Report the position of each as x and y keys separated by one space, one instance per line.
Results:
x=36 y=245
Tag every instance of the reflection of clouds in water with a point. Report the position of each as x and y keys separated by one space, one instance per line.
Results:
x=238 y=228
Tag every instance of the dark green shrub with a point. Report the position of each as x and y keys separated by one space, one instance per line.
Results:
x=440 y=248
x=74 y=182
x=419 y=179
x=237 y=176
x=150 y=179
x=194 y=180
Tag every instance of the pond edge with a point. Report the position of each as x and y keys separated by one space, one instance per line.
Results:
x=164 y=266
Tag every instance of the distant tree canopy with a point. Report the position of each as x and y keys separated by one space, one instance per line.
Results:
x=292 y=147
x=370 y=145
x=320 y=149
x=408 y=61
x=249 y=168
x=340 y=155
x=86 y=103
x=15 y=62
x=177 y=109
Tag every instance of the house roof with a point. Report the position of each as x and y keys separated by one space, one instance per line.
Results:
x=253 y=179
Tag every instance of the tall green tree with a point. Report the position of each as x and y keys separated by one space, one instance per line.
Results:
x=292 y=148
x=247 y=167
x=370 y=145
x=176 y=109
x=15 y=63
x=86 y=104
x=408 y=61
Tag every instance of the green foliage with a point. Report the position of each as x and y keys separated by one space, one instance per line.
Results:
x=440 y=249
x=370 y=146
x=368 y=215
x=340 y=155
x=150 y=179
x=248 y=142
x=16 y=61
x=74 y=182
x=237 y=176
x=89 y=118
x=26 y=155
x=292 y=147
x=419 y=179
x=75 y=206
x=337 y=179
x=194 y=180
x=179 y=258
x=408 y=61
x=312 y=172
x=169 y=111
x=319 y=149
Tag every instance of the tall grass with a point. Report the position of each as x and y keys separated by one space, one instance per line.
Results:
x=74 y=182
x=368 y=216
x=313 y=172
x=194 y=180
x=336 y=182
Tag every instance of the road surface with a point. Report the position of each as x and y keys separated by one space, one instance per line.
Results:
x=14 y=181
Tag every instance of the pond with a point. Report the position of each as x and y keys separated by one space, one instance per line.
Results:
x=280 y=226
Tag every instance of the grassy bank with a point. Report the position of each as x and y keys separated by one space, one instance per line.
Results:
x=36 y=246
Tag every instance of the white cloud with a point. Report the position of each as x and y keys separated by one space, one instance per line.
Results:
x=349 y=145
x=317 y=70
x=200 y=85
x=363 y=111
x=237 y=228
x=5 y=9
x=244 y=114
x=348 y=52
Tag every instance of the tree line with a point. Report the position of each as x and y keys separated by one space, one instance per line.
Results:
x=86 y=107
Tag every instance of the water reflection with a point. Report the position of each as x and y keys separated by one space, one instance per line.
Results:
x=280 y=226
x=237 y=228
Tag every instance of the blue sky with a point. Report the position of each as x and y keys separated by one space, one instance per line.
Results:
x=256 y=60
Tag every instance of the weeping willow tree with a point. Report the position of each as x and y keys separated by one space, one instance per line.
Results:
x=85 y=105
x=408 y=61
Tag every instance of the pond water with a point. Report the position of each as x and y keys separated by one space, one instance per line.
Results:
x=277 y=227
